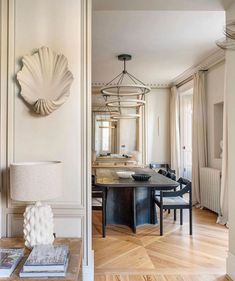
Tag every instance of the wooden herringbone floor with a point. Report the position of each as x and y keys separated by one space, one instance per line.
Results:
x=124 y=256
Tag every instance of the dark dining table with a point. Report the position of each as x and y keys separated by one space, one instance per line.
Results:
x=129 y=202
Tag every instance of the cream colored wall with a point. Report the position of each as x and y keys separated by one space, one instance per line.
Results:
x=158 y=126
x=63 y=135
x=56 y=136
x=230 y=96
x=127 y=132
x=214 y=94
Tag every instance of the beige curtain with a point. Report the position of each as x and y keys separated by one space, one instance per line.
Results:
x=223 y=218
x=174 y=131
x=199 y=145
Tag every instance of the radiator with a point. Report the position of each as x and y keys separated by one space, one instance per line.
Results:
x=210 y=184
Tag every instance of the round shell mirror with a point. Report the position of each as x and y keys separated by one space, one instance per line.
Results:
x=45 y=80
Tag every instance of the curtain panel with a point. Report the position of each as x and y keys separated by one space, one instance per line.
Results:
x=199 y=143
x=174 y=131
x=223 y=217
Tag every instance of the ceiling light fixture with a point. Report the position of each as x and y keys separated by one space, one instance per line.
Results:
x=119 y=86
x=123 y=87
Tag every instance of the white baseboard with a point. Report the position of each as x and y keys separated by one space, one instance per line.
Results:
x=231 y=266
x=88 y=270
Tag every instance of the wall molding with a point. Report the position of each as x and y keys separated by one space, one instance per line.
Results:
x=16 y=219
x=231 y=266
x=88 y=258
x=80 y=208
x=11 y=95
x=88 y=271
x=3 y=109
x=11 y=204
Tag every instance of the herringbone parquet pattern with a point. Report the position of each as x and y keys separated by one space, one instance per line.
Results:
x=124 y=256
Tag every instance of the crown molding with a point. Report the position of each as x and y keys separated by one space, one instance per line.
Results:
x=214 y=58
x=96 y=86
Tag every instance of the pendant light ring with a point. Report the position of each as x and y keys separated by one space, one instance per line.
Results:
x=127 y=116
x=125 y=90
x=126 y=103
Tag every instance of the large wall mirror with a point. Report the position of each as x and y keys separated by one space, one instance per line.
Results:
x=114 y=138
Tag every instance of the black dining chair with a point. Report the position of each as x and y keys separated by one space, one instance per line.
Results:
x=156 y=166
x=171 y=175
x=98 y=192
x=175 y=200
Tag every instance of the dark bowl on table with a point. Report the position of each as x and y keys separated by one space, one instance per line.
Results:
x=141 y=177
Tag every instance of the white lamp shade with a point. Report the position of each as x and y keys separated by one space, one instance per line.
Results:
x=36 y=181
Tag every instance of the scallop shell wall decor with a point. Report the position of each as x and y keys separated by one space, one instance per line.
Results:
x=45 y=80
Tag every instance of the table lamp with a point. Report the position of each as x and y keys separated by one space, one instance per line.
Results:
x=36 y=181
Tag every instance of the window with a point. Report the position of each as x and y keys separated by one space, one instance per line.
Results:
x=105 y=136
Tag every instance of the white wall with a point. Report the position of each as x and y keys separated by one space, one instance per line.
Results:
x=127 y=132
x=214 y=94
x=230 y=96
x=57 y=24
x=158 y=126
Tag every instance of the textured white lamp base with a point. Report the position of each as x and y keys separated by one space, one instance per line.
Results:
x=38 y=225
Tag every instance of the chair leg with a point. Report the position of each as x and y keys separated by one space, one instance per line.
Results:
x=105 y=207
x=161 y=221
x=103 y=215
x=134 y=211
x=175 y=215
x=181 y=216
x=190 y=221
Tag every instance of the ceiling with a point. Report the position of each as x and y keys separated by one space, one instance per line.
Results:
x=200 y=5
x=164 y=37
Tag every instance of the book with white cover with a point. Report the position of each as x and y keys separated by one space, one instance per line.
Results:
x=40 y=274
x=47 y=258
x=9 y=259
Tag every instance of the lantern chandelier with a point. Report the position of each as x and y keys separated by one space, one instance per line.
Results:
x=126 y=90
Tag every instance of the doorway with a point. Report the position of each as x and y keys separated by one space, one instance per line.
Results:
x=186 y=110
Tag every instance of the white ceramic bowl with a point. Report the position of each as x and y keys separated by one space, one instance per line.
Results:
x=125 y=174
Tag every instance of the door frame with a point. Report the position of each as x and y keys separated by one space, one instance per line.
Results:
x=183 y=93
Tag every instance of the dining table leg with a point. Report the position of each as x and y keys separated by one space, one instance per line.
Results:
x=134 y=211
x=104 y=212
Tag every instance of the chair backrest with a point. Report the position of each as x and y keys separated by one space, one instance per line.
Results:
x=171 y=176
x=183 y=181
x=155 y=165
x=186 y=189
x=162 y=172
x=93 y=179
x=167 y=174
x=171 y=171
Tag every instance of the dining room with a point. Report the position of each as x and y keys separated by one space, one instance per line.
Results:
x=159 y=207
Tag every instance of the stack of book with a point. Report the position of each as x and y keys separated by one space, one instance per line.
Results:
x=9 y=259
x=46 y=261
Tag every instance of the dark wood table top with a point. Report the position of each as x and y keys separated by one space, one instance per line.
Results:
x=109 y=178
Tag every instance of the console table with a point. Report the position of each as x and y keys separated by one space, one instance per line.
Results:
x=74 y=272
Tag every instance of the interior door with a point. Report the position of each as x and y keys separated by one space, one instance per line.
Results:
x=186 y=110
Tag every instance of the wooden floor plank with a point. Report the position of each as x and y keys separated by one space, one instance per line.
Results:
x=146 y=256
